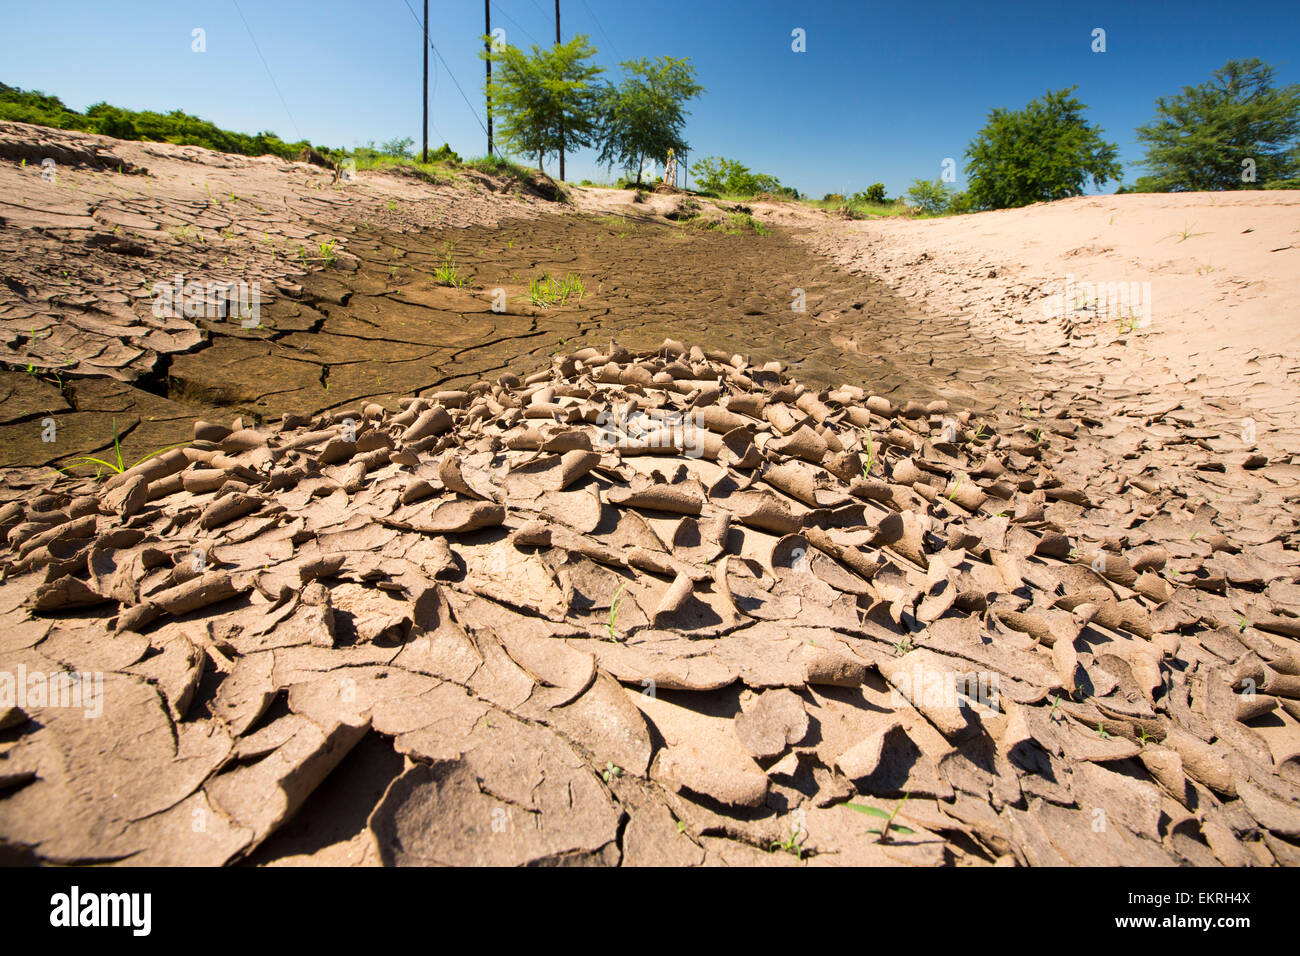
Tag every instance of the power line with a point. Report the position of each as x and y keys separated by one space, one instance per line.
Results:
x=268 y=69
x=434 y=47
x=601 y=28
x=519 y=25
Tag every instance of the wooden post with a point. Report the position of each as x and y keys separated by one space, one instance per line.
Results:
x=424 y=149
x=557 y=43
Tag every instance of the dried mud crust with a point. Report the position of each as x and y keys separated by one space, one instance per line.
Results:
x=493 y=628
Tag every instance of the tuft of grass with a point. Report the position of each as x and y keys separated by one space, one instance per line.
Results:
x=549 y=290
x=613 y=612
x=790 y=844
x=448 y=273
x=434 y=173
x=497 y=166
x=1128 y=323
x=1185 y=234
x=118 y=466
x=887 y=816
x=871 y=457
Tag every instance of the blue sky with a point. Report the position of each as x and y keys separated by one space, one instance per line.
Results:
x=885 y=91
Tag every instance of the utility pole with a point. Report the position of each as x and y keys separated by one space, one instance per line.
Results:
x=487 y=45
x=557 y=43
x=424 y=150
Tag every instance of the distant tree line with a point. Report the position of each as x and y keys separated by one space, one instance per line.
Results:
x=27 y=106
x=1235 y=131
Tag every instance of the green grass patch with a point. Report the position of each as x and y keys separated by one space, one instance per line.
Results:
x=449 y=274
x=549 y=290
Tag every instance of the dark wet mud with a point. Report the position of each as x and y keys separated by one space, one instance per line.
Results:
x=376 y=325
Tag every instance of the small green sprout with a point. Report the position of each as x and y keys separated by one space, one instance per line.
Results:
x=119 y=466
x=613 y=612
x=871 y=456
x=887 y=816
x=790 y=844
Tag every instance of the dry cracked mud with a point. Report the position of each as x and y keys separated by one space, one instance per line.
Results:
x=668 y=576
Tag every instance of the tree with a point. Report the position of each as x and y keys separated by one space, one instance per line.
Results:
x=876 y=193
x=1202 y=138
x=721 y=176
x=1045 y=151
x=545 y=101
x=400 y=148
x=929 y=195
x=642 y=117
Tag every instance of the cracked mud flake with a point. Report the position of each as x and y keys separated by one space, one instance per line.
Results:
x=442 y=814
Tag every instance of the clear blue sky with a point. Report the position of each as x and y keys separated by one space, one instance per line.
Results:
x=885 y=91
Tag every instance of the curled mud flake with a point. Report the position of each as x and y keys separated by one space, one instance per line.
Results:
x=685 y=498
x=453 y=517
x=128 y=498
x=432 y=422
x=227 y=509
x=702 y=755
x=770 y=722
x=65 y=592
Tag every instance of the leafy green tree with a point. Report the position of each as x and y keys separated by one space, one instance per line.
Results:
x=1202 y=138
x=546 y=101
x=929 y=195
x=642 y=117
x=960 y=204
x=875 y=193
x=721 y=176
x=400 y=148
x=1045 y=151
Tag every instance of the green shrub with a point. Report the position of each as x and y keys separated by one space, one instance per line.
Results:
x=874 y=193
x=716 y=176
x=929 y=195
x=960 y=204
